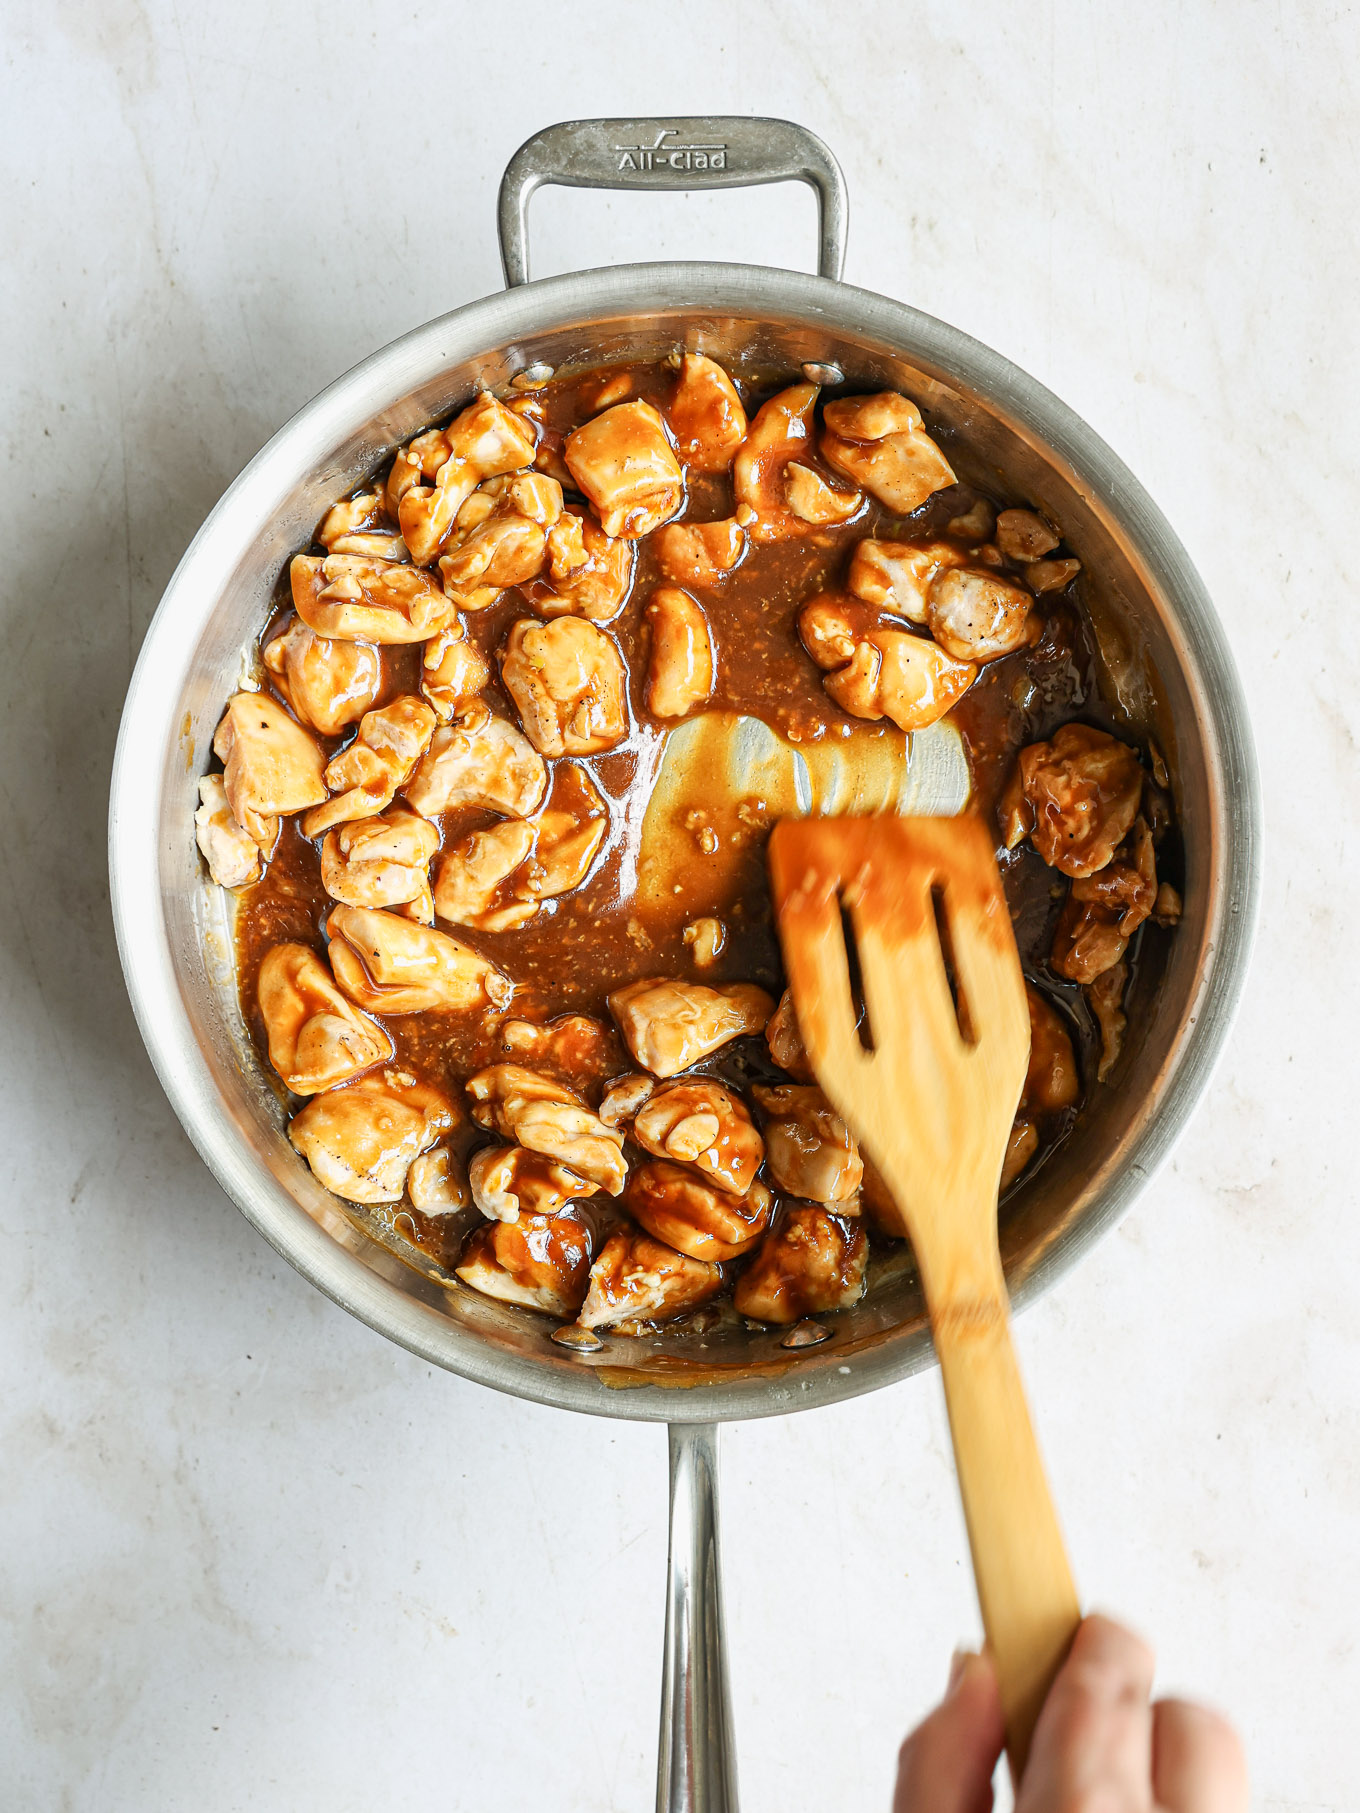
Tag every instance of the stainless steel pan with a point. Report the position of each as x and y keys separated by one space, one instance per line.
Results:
x=1167 y=662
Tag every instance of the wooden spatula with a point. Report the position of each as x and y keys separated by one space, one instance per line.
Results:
x=932 y=1104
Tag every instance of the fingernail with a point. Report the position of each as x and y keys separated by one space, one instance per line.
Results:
x=959 y=1662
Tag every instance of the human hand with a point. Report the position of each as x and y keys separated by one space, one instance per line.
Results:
x=1099 y=1741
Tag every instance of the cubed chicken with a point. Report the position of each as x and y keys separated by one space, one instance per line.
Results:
x=391 y=965
x=702 y=554
x=624 y=1097
x=478 y=760
x=548 y=1117
x=780 y=434
x=361 y=1140
x=233 y=857
x=786 y=1041
x=569 y=685
x=349 y=599
x=706 y=415
x=500 y=537
x=1081 y=790
x=879 y=442
x=637 y=1280
x=669 y=1025
x=693 y=1216
x=487 y=440
x=1023 y=536
x=271 y=765
x=682 y=664
x=887 y=673
x=1022 y=1143
x=811 y=1151
x=361 y=525
x=317 y=1039
x=590 y=574
x=329 y=684
x=811 y=1263
x=625 y=464
x=1052 y=1080
x=1105 y=994
x=813 y=499
x=436 y=1185
x=575 y=1047
x=896 y=575
x=538 y=1261
x=510 y=1181
x=700 y=1124
x=366 y=774
x=471 y=884
x=978 y=616
x=1103 y=910
x=453 y=672
x=381 y=862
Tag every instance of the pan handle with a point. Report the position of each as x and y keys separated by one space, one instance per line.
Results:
x=696 y=1768
x=713 y=152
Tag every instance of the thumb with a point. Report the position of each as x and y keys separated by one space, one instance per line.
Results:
x=946 y=1765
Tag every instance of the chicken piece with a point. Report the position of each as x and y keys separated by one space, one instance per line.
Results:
x=879 y=442
x=623 y=1099
x=1052 y=1081
x=831 y=627
x=706 y=938
x=694 y=1216
x=1023 y=536
x=811 y=1263
x=571 y=829
x=436 y=1185
x=811 y=1151
x=887 y=673
x=877 y=1204
x=1082 y=788
x=1166 y=910
x=813 y=500
x=453 y=672
x=682 y=665
x=317 y=1040
x=481 y=761
x=590 y=574
x=550 y=1118
x=361 y=525
x=381 y=862
x=539 y=1261
x=1104 y=910
x=578 y=1049
x=705 y=415
x=702 y=1125
x=1105 y=993
x=349 y=599
x=500 y=537
x=487 y=440
x=976 y=525
x=328 y=684
x=636 y=1280
x=1051 y=575
x=233 y=857
x=780 y=434
x=510 y=1181
x=569 y=685
x=625 y=464
x=896 y=575
x=979 y=616
x=701 y=553
x=390 y=965
x=1022 y=1143
x=271 y=766
x=669 y=1025
x=366 y=774
x=469 y=886
x=786 y=1041
x=362 y=1140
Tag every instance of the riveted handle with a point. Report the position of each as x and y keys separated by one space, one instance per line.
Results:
x=713 y=152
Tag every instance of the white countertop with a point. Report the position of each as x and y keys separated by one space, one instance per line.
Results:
x=254 y=1556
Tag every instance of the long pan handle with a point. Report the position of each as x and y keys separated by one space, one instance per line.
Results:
x=1030 y=1609
x=696 y=1759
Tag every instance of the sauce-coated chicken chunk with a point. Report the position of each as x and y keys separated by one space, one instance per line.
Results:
x=366 y=774
x=625 y=464
x=435 y=1184
x=382 y=862
x=706 y=415
x=780 y=434
x=453 y=672
x=317 y=1039
x=896 y=575
x=233 y=857
x=478 y=760
x=1103 y=910
x=682 y=665
x=539 y=1261
x=811 y=1263
x=693 y=1216
x=590 y=574
x=391 y=965
x=271 y=766
x=879 y=442
x=1052 y=1080
x=785 y=1041
x=510 y=1181
x=637 y=1280
x=669 y=1025
x=500 y=537
x=979 y=616
x=329 y=684
x=811 y=1151
x=568 y=683
x=362 y=525
x=702 y=553
x=1081 y=791
x=548 y=1117
x=577 y=1048
x=887 y=673
x=702 y=1124
x=361 y=1140
x=487 y=440
x=349 y=599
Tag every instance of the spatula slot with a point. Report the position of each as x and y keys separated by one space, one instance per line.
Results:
x=863 y=1026
x=956 y=993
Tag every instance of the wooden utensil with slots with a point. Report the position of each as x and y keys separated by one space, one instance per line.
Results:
x=931 y=1104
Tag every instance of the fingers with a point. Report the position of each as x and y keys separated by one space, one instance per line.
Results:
x=1094 y=1735
x=1197 y=1761
x=946 y=1764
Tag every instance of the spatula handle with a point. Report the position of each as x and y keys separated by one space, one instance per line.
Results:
x=1030 y=1610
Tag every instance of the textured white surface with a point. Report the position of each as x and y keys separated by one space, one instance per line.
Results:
x=253 y=1556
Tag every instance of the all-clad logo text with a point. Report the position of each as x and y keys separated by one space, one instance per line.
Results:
x=662 y=156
